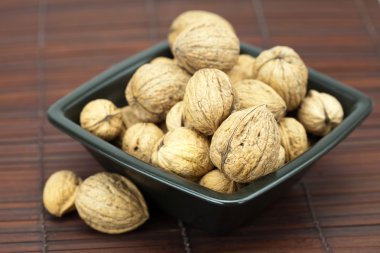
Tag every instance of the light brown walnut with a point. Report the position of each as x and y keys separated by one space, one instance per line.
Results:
x=244 y=69
x=102 y=118
x=283 y=69
x=251 y=92
x=206 y=46
x=130 y=116
x=139 y=140
x=217 y=181
x=320 y=113
x=208 y=100
x=174 y=118
x=110 y=203
x=245 y=146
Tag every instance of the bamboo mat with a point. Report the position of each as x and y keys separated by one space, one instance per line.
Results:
x=50 y=47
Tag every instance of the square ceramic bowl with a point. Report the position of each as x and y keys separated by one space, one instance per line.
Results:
x=190 y=202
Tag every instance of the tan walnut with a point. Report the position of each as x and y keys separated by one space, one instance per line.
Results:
x=184 y=152
x=245 y=146
x=244 y=69
x=139 y=140
x=174 y=117
x=163 y=59
x=206 y=46
x=110 y=203
x=283 y=69
x=251 y=92
x=59 y=192
x=129 y=116
x=154 y=89
x=188 y=18
x=208 y=100
x=280 y=159
x=102 y=118
x=217 y=181
x=293 y=138
x=320 y=113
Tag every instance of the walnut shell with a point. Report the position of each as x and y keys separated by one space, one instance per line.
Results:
x=102 y=118
x=139 y=140
x=206 y=46
x=174 y=117
x=130 y=116
x=184 y=152
x=188 y=18
x=110 y=203
x=217 y=181
x=155 y=88
x=59 y=192
x=320 y=113
x=293 y=138
x=251 y=92
x=244 y=69
x=208 y=100
x=280 y=159
x=283 y=69
x=245 y=146
x=163 y=59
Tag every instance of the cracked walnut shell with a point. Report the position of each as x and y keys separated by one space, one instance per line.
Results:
x=206 y=46
x=320 y=113
x=102 y=118
x=208 y=100
x=59 y=192
x=184 y=152
x=251 y=92
x=110 y=203
x=283 y=69
x=245 y=146
x=155 y=88
x=217 y=181
x=139 y=140
x=293 y=138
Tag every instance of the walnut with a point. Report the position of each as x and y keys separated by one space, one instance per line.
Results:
x=280 y=159
x=245 y=146
x=192 y=17
x=154 y=89
x=163 y=59
x=251 y=92
x=140 y=139
x=244 y=69
x=102 y=118
x=208 y=100
x=206 y=46
x=320 y=113
x=293 y=138
x=110 y=203
x=174 y=117
x=217 y=181
x=184 y=152
x=130 y=116
x=59 y=192
x=283 y=69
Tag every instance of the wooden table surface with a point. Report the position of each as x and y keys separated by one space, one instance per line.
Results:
x=50 y=47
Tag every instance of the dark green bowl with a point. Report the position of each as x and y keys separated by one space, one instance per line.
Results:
x=190 y=202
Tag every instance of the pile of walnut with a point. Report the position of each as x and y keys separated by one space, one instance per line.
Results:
x=212 y=115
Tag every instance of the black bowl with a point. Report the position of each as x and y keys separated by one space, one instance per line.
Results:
x=190 y=202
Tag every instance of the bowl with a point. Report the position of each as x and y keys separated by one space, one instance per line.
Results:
x=195 y=205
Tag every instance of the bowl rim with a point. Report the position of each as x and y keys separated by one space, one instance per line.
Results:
x=56 y=116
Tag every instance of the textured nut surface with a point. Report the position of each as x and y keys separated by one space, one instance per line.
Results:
x=283 y=69
x=217 y=181
x=246 y=144
x=174 y=117
x=155 y=88
x=129 y=116
x=249 y=93
x=102 y=118
x=110 y=203
x=59 y=192
x=244 y=69
x=192 y=17
x=139 y=140
x=184 y=152
x=163 y=59
x=208 y=100
x=320 y=113
x=280 y=159
x=293 y=138
x=206 y=46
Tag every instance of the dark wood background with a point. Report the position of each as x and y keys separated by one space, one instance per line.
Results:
x=50 y=47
